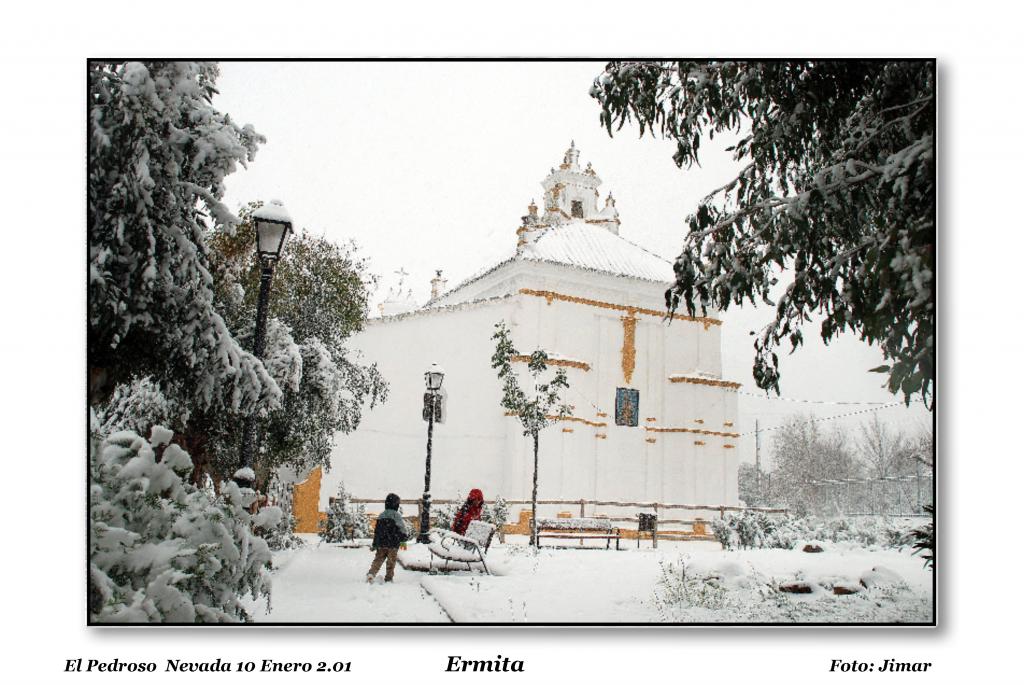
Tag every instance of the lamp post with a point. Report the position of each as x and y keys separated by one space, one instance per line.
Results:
x=433 y=378
x=273 y=224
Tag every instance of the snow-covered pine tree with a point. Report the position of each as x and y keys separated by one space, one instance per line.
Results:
x=158 y=154
x=345 y=520
x=162 y=550
x=535 y=411
x=496 y=513
x=837 y=186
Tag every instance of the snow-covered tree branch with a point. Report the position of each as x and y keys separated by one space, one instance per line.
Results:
x=158 y=155
x=837 y=189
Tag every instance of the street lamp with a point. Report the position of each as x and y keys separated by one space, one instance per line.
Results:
x=433 y=379
x=273 y=224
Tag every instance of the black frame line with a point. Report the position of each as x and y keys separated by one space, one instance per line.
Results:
x=514 y=59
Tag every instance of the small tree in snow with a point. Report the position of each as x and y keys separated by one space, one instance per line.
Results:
x=535 y=411
x=345 y=520
x=496 y=513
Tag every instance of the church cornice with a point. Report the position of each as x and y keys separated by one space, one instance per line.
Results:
x=679 y=378
x=555 y=361
x=697 y=431
x=550 y=296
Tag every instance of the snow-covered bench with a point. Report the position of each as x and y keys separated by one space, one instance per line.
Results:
x=578 y=529
x=468 y=549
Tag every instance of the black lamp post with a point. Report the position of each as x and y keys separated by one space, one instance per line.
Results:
x=433 y=378
x=273 y=224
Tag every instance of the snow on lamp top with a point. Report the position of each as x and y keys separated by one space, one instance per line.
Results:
x=434 y=377
x=273 y=222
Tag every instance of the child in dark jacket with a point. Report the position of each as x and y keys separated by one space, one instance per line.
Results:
x=388 y=535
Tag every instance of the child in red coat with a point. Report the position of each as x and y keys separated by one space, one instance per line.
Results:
x=470 y=511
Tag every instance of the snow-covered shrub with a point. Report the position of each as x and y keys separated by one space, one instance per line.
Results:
x=163 y=550
x=136 y=406
x=724 y=533
x=345 y=520
x=444 y=514
x=282 y=534
x=757 y=530
x=679 y=584
x=496 y=512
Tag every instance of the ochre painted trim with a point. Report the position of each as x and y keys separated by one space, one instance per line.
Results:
x=705 y=381
x=554 y=361
x=552 y=417
x=628 y=347
x=698 y=431
x=550 y=295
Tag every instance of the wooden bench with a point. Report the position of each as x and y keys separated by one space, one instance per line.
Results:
x=466 y=549
x=578 y=529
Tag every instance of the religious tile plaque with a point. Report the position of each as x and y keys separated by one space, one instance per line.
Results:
x=627 y=406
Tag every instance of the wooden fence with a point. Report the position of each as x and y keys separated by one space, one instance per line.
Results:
x=658 y=508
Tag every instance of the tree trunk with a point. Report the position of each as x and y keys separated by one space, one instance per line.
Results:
x=533 y=516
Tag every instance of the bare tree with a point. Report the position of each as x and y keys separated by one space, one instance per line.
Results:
x=809 y=465
x=884 y=449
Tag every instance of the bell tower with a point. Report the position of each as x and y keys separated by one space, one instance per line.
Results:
x=569 y=191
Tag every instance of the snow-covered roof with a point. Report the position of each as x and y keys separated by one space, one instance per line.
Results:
x=429 y=309
x=592 y=246
x=586 y=246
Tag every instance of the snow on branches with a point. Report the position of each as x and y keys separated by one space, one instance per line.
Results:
x=162 y=550
x=535 y=411
x=837 y=186
x=158 y=155
x=345 y=519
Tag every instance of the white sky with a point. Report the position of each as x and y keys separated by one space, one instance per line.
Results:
x=431 y=165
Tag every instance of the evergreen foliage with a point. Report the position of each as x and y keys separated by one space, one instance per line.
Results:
x=837 y=185
x=496 y=512
x=163 y=550
x=756 y=530
x=924 y=539
x=535 y=411
x=282 y=534
x=444 y=514
x=158 y=155
x=319 y=298
x=345 y=520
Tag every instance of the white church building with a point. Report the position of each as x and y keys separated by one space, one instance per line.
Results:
x=653 y=420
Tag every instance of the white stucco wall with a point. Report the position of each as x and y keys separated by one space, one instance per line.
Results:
x=479 y=446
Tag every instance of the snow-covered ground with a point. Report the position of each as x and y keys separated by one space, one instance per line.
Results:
x=678 y=582
x=326 y=583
